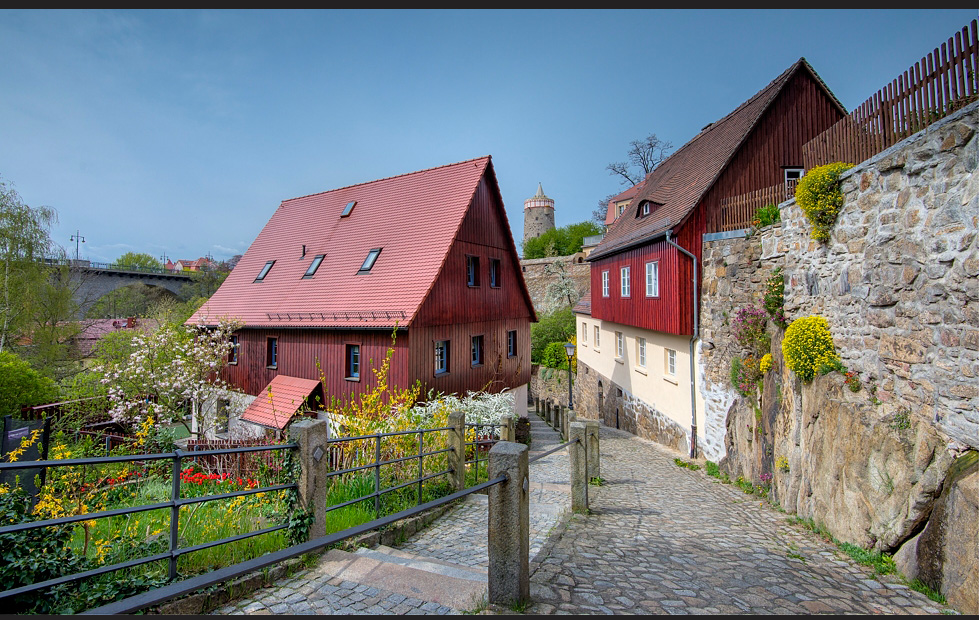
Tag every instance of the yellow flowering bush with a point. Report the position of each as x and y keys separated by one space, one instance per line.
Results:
x=765 y=364
x=820 y=198
x=808 y=346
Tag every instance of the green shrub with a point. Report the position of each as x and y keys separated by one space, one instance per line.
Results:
x=808 y=346
x=767 y=215
x=775 y=297
x=820 y=198
x=557 y=326
x=21 y=385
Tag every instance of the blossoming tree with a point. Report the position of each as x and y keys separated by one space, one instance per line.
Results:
x=167 y=369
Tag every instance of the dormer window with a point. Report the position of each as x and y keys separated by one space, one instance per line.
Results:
x=369 y=261
x=644 y=210
x=314 y=266
x=347 y=209
x=646 y=207
x=265 y=271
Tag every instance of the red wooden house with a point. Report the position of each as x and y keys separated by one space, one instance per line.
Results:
x=428 y=255
x=640 y=324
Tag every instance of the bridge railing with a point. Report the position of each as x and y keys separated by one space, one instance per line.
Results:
x=87 y=264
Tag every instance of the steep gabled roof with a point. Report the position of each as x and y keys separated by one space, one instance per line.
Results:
x=678 y=184
x=412 y=218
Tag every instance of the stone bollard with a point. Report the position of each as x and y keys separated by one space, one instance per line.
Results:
x=508 y=539
x=559 y=421
x=537 y=405
x=592 y=453
x=579 y=467
x=457 y=441
x=547 y=411
x=569 y=417
x=506 y=428
x=311 y=436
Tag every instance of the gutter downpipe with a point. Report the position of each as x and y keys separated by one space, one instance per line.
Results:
x=693 y=340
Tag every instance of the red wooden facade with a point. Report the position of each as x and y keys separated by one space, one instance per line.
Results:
x=751 y=158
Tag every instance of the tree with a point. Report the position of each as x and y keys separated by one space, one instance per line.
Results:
x=643 y=155
x=203 y=283
x=562 y=241
x=21 y=385
x=24 y=242
x=138 y=261
x=133 y=300
x=556 y=326
x=600 y=212
x=165 y=370
x=562 y=290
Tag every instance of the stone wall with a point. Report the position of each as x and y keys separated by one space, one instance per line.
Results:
x=537 y=274
x=898 y=283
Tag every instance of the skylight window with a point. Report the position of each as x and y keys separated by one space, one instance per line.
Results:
x=314 y=265
x=369 y=261
x=347 y=209
x=265 y=271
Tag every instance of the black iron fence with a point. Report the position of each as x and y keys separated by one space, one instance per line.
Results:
x=347 y=456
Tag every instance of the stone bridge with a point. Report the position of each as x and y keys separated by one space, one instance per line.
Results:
x=93 y=280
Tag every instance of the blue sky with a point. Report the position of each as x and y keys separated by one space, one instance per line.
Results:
x=180 y=132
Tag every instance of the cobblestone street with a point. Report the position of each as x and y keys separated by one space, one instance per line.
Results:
x=658 y=539
x=662 y=539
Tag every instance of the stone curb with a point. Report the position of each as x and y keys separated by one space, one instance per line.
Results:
x=203 y=602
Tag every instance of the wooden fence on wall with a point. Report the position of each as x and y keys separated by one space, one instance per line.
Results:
x=940 y=83
x=737 y=212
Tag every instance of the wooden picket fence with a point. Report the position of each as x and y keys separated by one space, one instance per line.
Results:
x=737 y=212
x=940 y=83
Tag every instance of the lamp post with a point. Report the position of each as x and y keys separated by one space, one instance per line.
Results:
x=569 y=351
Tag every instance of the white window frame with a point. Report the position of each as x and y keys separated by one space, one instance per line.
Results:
x=641 y=351
x=619 y=345
x=605 y=286
x=598 y=334
x=625 y=286
x=584 y=333
x=441 y=355
x=652 y=279
x=670 y=362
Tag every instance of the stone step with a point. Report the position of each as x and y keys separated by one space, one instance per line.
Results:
x=384 y=571
x=432 y=565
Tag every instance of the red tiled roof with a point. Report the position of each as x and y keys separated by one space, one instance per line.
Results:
x=279 y=401
x=628 y=194
x=680 y=181
x=584 y=305
x=413 y=217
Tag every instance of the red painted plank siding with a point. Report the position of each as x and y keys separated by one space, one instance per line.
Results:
x=498 y=369
x=299 y=350
x=670 y=312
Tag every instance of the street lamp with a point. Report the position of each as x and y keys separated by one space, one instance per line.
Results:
x=569 y=348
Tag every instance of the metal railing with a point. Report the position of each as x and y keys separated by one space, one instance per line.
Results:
x=174 y=504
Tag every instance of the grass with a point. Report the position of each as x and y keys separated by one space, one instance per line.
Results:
x=881 y=563
x=686 y=464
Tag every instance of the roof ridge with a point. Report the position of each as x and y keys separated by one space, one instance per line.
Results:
x=392 y=177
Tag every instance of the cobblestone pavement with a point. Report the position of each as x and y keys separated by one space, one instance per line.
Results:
x=661 y=539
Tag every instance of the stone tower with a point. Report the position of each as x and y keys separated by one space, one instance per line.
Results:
x=538 y=215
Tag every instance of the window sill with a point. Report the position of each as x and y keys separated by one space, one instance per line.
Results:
x=671 y=380
x=619 y=360
x=354 y=379
x=641 y=371
x=232 y=363
x=273 y=367
x=441 y=373
x=477 y=365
